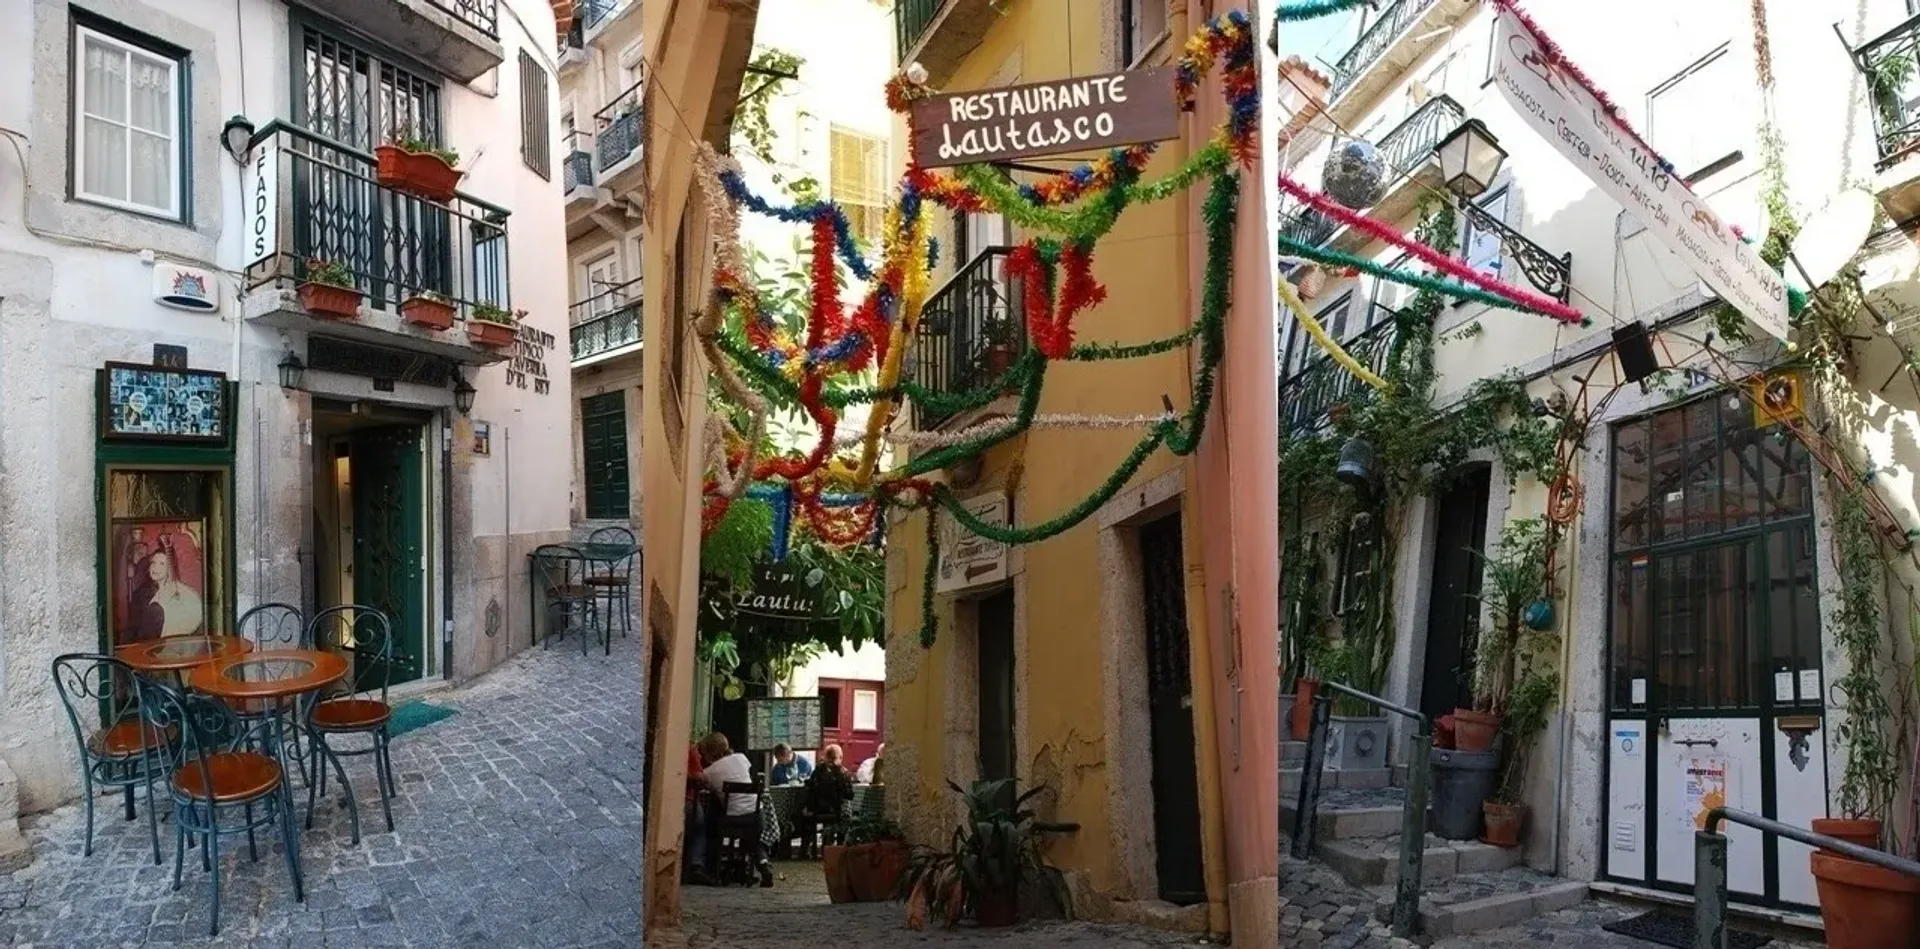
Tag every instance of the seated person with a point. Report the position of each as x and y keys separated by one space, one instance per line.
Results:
x=789 y=768
x=830 y=787
x=868 y=767
x=694 y=870
x=721 y=765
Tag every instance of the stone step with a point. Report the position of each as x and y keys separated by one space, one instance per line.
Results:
x=1375 y=861
x=1293 y=754
x=1343 y=814
x=1333 y=779
x=1476 y=902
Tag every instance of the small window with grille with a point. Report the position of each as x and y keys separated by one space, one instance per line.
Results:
x=536 y=125
x=858 y=182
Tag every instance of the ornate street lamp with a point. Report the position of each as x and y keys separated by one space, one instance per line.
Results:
x=463 y=393
x=237 y=136
x=1470 y=159
x=292 y=371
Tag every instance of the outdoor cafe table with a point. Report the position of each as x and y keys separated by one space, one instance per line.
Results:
x=270 y=677
x=605 y=555
x=177 y=655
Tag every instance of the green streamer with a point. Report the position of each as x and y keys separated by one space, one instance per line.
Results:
x=929 y=627
x=1314 y=9
x=1460 y=291
x=1096 y=352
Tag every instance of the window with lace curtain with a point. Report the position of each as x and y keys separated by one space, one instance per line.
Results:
x=127 y=142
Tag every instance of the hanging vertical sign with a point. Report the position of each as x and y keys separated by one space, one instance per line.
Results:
x=263 y=205
x=1569 y=115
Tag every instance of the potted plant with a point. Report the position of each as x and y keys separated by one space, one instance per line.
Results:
x=866 y=866
x=491 y=326
x=1506 y=811
x=409 y=163
x=393 y=161
x=1303 y=639
x=436 y=173
x=428 y=309
x=992 y=856
x=329 y=290
x=1001 y=335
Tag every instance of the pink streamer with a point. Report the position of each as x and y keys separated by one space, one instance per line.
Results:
x=1552 y=51
x=1545 y=305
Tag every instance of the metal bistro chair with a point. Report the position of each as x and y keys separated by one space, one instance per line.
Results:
x=351 y=707
x=121 y=753
x=564 y=573
x=207 y=772
x=739 y=836
x=615 y=582
x=271 y=626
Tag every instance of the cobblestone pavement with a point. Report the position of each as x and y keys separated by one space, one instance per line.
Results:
x=1319 y=910
x=796 y=913
x=517 y=824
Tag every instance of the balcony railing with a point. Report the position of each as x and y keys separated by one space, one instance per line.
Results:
x=970 y=331
x=1379 y=35
x=579 y=161
x=1410 y=144
x=1889 y=63
x=329 y=206
x=1308 y=226
x=605 y=321
x=910 y=21
x=593 y=12
x=482 y=15
x=619 y=121
x=1320 y=384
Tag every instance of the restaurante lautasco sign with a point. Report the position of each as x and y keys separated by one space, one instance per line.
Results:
x=1045 y=118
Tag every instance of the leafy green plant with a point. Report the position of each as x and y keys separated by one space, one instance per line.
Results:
x=732 y=549
x=994 y=854
x=488 y=313
x=431 y=296
x=1526 y=716
x=407 y=140
x=1512 y=578
x=852 y=583
x=448 y=155
x=751 y=121
x=1870 y=785
x=866 y=829
x=329 y=273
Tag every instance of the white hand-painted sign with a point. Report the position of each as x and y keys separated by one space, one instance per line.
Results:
x=263 y=205
x=1568 y=114
x=966 y=559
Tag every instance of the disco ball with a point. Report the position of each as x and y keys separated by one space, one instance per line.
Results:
x=1354 y=174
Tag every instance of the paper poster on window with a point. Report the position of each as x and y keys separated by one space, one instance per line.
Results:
x=1704 y=786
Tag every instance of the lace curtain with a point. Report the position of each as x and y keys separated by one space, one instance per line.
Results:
x=128 y=132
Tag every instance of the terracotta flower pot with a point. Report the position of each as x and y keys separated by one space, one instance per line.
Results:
x=1474 y=731
x=321 y=299
x=874 y=870
x=432 y=178
x=1303 y=692
x=1503 y=823
x=490 y=335
x=1864 y=831
x=392 y=167
x=426 y=312
x=999 y=358
x=833 y=864
x=1864 y=906
x=1000 y=908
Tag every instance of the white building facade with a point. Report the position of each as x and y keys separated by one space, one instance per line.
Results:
x=1698 y=584
x=171 y=388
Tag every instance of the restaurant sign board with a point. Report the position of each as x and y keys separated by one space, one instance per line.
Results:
x=968 y=560
x=777 y=594
x=1569 y=116
x=1045 y=118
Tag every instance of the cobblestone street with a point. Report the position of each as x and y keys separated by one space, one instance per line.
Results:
x=517 y=824
x=796 y=913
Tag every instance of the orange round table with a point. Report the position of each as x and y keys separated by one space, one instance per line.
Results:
x=177 y=654
x=269 y=674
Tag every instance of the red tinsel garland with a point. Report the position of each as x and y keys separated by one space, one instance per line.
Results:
x=825 y=321
x=1558 y=59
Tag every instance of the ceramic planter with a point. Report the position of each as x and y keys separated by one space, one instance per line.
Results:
x=999 y=359
x=490 y=335
x=326 y=300
x=1503 y=823
x=1864 y=906
x=999 y=908
x=1864 y=831
x=392 y=167
x=427 y=312
x=432 y=178
x=1355 y=743
x=863 y=873
x=1474 y=731
x=833 y=865
x=1303 y=707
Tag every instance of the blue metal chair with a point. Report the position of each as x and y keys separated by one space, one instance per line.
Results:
x=351 y=707
x=271 y=626
x=207 y=773
x=563 y=573
x=614 y=582
x=121 y=753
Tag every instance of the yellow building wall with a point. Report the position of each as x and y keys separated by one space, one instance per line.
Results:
x=1061 y=722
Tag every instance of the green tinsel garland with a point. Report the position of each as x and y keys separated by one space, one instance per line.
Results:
x=1313 y=9
x=1334 y=258
x=930 y=575
x=1095 y=352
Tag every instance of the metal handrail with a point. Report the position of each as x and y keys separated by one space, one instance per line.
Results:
x=1710 y=867
x=1413 y=822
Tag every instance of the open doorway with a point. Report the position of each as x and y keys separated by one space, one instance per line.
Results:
x=375 y=522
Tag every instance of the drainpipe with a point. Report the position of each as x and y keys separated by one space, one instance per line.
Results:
x=1566 y=694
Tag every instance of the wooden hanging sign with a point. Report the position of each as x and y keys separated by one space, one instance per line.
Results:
x=1045 y=118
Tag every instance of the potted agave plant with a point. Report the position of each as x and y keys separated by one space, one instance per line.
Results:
x=993 y=856
x=329 y=290
x=491 y=326
x=428 y=309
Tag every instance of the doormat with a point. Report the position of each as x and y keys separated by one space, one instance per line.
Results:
x=1673 y=929
x=414 y=715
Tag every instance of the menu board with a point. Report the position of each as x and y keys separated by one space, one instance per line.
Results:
x=793 y=722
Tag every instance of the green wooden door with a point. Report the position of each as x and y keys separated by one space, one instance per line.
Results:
x=603 y=436
x=389 y=513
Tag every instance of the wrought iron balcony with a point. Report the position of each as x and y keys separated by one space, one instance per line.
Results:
x=592 y=13
x=458 y=38
x=1410 y=145
x=482 y=15
x=327 y=204
x=1308 y=227
x=910 y=21
x=1308 y=394
x=619 y=121
x=970 y=331
x=1889 y=62
x=1379 y=35
x=579 y=162
x=605 y=321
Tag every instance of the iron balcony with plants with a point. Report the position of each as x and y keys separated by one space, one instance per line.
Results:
x=413 y=267
x=618 y=135
x=971 y=332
